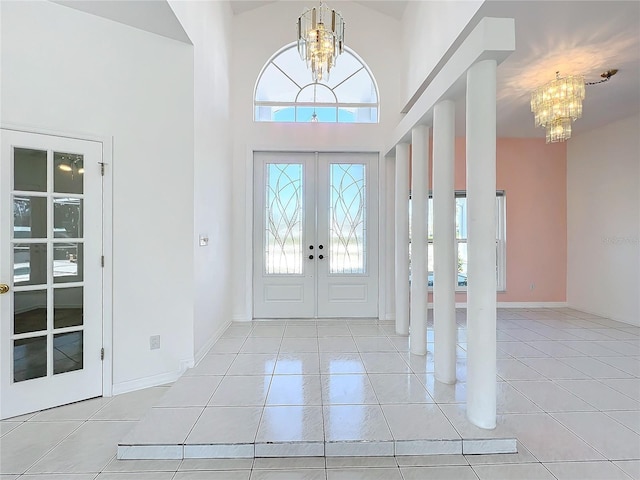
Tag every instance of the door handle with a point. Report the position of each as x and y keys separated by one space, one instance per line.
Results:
x=320 y=257
x=320 y=247
x=4 y=288
x=310 y=257
x=310 y=247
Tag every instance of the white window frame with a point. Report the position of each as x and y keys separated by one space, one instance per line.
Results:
x=501 y=240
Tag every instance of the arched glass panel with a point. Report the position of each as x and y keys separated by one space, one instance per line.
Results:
x=285 y=92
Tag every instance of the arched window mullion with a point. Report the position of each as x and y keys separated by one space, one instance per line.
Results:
x=350 y=110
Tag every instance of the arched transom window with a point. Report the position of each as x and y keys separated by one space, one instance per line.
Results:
x=285 y=91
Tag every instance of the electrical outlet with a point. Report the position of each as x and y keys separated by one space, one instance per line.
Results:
x=154 y=342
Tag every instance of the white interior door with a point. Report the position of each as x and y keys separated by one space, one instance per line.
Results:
x=50 y=266
x=315 y=235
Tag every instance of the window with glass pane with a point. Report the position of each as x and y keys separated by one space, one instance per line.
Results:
x=283 y=219
x=347 y=215
x=461 y=240
x=286 y=93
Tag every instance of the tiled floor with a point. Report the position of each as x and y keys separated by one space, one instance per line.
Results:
x=569 y=389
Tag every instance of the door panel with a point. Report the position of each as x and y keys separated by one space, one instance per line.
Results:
x=348 y=226
x=51 y=221
x=315 y=235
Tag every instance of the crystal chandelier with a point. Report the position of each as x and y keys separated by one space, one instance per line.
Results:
x=320 y=40
x=556 y=104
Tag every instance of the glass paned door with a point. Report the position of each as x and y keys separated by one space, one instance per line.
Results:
x=51 y=197
x=315 y=254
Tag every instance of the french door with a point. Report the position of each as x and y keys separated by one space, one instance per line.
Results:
x=50 y=271
x=315 y=235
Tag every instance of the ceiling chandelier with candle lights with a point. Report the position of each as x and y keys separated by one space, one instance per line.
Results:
x=320 y=40
x=556 y=104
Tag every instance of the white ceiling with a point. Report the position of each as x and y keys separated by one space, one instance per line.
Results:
x=573 y=37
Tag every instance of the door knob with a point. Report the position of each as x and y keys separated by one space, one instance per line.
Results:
x=320 y=257
x=4 y=288
x=310 y=247
x=320 y=247
x=310 y=257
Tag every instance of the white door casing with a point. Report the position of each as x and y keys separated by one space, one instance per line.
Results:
x=50 y=256
x=315 y=235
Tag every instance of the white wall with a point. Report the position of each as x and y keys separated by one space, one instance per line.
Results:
x=208 y=24
x=257 y=35
x=603 y=221
x=69 y=71
x=429 y=28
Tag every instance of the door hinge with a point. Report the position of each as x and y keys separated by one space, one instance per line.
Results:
x=102 y=169
x=102 y=261
x=102 y=353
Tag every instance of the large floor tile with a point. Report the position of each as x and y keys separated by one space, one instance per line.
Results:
x=600 y=395
x=513 y=369
x=131 y=406
x=89 y=449
x=190 y=391
x=384 y=363
x=295 y=390
x=413 y=421
x=136 y=476
x=288 y=463
x=551 y=397
x=548 y=440
x=374 y=344
x=294 y=474
x=337 y=344
x=235 y=391
x=510 y=400
x=555 y=348
x=74 y=411
x=629 y=386
x=163 y=426
x=628 y=419
x=291 y=424
x=214 y=475
x=442 y=392
x=630 y=467
x=524 y=471
x=213 y=364
x=355 y=423
x=299 y=345
x=261 y=345
x=253 y=364
x=216 y=464
x=440 y=473
x=142 y=465
x=23 y=446
x=399 y=388
x=380 y=473
x=594 y=367
x=227 y=425
x=347 y=389
x=333 y=363
x=305 y=363
x=603 y=433
x=554 y=369
x=521 y=349
x=6 y=427
x=586 y=471
x=57 y=476
x=630 y=365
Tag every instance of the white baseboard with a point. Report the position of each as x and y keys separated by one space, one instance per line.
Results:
x=239 y=317
x=531 y=304
x=603 y=315
x=207 y=346
x=146 y=382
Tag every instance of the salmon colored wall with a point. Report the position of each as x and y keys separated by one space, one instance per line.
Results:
x=534 y=178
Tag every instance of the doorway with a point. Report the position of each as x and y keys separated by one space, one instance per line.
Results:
x=315 y=235
x=51 y=275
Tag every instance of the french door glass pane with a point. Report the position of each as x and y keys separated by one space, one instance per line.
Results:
x=284 y=219
x=30 y=311
x=68 y=171
x=67 y=307
x=29 y=358
x=67 y=352
x=29 y=217
x=347 y=218
x=67 y=218
x=29 y=170
x=29 y=264
x=67 y=262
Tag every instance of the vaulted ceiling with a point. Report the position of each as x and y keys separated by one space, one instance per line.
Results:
x=572 y=37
